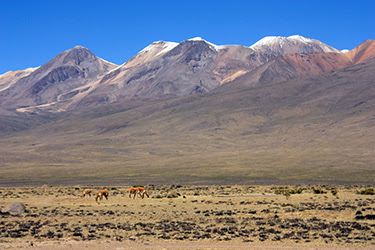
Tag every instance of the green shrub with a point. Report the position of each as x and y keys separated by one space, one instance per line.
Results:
x=334 y=192
x=288 y=192
x=172 y=195
x=318 y=191
x=296 y=191
x=368 y=191
x=280 y=191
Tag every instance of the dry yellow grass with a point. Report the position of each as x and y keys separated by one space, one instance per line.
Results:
x=243 y=215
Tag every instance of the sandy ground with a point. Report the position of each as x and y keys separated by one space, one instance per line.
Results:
x=164 y=245
x=189 y=217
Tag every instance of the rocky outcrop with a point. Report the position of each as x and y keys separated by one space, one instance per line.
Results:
x=15 y=208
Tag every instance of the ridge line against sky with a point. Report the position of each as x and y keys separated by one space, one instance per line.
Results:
x=34 y=31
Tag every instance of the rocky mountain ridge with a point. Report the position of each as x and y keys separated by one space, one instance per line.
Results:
x=77 y=79
x=50 y=82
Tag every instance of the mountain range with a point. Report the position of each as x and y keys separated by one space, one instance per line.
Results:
x=77 y=79
x=285 y=108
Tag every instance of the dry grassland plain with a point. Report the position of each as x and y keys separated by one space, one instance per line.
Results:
x=190 y=217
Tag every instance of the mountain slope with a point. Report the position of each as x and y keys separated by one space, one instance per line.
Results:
x=166 y=69
x=11 y=77
x=314 y=129
x=293 y=66
x=362 y=52
x=77 y=80
x=47 y=84
x=301 y=65
x=151 y=52
x=173 y=70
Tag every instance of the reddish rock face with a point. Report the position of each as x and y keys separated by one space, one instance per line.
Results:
x=316 y=63
x=362 y=52
x=302 y=65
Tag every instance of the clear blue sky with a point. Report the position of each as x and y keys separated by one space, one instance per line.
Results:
x=32 y=32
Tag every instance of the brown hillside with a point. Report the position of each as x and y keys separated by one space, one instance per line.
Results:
x=362 y=52
x=315 y=129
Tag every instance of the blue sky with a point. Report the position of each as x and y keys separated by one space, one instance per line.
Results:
x=32 y=32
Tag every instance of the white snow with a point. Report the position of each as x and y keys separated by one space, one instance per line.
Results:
x=280 y=40
x=165 y=47
x=197 y=39
x=269 y=40
x=115 y=68
x=148 y=48
x=29 y=70
x=168 y=46
x=265 y=41
x=214 y=46
x=301 y=38
x=344 y=50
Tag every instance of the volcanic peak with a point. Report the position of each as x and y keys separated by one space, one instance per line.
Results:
x=295 y=43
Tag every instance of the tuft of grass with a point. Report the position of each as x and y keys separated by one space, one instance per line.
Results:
x=319 y=191
x=368 y=191
x=288 y=192
x=334 y=192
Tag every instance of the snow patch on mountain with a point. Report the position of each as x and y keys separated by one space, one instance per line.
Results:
x=165 y=47
x=214 y=46
x=294 y=40
x=269 y=40
x=168 y=46
x=301 y=38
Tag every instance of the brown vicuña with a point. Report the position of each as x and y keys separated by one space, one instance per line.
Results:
x=102 y=193
x=86 y=192
x=138 y=190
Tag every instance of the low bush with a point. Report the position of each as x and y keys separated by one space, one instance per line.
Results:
x=318 y=191
x=173 y=195
x=288 y=192
x=368 y=191
x=334 y=192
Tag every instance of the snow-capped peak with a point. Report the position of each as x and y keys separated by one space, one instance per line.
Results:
x=197 y=39
x=291 y=44
x=161 y=45
x=269 y=40
x=168 y=46
x=344 y=50
x=214 y=46
x=300 y=38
